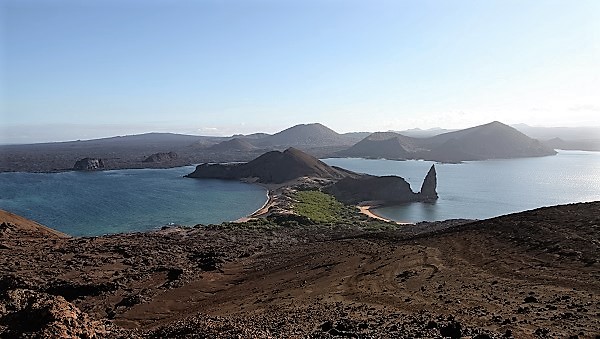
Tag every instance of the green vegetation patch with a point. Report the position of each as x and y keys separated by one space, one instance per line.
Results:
x=318 y=206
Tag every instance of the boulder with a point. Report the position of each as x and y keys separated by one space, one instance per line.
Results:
x=88 y=164
x=32 y=314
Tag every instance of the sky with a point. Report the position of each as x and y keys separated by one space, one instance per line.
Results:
x=73 y=69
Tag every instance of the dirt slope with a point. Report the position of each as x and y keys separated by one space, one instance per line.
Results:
x=526 y=275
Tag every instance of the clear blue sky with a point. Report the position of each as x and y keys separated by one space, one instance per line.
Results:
x=83 y=69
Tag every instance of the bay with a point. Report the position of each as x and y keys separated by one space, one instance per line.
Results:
x=96 y=203
x=484 y=189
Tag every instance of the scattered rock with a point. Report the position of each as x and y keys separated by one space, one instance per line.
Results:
x=452 y=330
x=48 y=316
x=326 y=326
x=530 y=299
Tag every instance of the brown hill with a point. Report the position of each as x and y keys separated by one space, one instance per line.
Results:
x=17 y=227
x=490 y=141
x=271 y=167
x=306 y=136
x=388 y=145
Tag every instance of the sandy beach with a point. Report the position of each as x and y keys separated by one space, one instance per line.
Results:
x=261 y=211
x=366 y=210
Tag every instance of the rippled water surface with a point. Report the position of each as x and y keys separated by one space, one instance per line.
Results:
x=97 y=203
x=483 y=189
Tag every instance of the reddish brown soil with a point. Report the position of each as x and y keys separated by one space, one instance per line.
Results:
x=527 y=275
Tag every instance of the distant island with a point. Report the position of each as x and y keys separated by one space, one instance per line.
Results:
x=162 y=150
x=491 y=141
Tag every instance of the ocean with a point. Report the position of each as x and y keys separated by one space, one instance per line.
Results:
x=96 y=203
x=484 y=189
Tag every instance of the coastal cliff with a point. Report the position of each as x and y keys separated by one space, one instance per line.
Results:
x=348 y=187
x=385 y=190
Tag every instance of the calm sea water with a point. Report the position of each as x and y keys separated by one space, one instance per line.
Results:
x=484 y=189
x=95 y=203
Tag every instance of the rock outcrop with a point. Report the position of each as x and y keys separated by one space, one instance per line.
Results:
x=161 y=157
x=272 y=168
x=428 y=189
x=88 y=164
x=386 y=190
x=24 y=313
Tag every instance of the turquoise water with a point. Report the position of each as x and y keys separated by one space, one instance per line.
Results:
x=143 y=199
x=95 y=203
x=484 y=189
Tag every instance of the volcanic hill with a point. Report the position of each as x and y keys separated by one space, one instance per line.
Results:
x=307 y=136
x=272 y=167
x=490 y=141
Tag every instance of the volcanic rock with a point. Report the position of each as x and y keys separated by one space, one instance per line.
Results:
x=428 y=189
x=161 y=157
x=88 y=164
x=382 y=190
x=25 y=312
x=388 y=189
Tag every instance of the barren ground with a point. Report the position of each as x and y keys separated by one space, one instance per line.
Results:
x=533 y=274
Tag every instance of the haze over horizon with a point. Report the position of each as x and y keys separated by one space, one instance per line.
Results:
x=71 y=70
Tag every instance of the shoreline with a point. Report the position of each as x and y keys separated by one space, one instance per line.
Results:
x=259 y=212
x=367 y=210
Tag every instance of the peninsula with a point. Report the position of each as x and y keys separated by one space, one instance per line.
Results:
x=287 y=172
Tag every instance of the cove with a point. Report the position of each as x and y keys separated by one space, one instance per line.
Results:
x=96 y=203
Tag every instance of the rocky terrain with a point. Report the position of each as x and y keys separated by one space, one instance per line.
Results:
x=534 y=274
